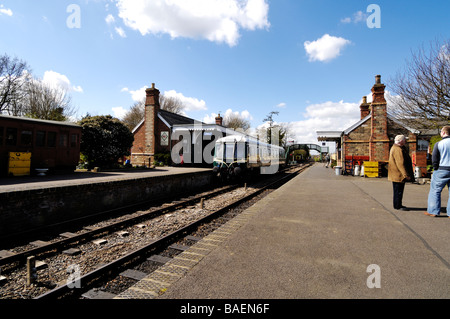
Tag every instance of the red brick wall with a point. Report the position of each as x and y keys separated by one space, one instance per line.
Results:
x=356 y=143
x=379 y=140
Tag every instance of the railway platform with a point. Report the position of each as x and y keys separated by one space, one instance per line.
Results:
x=32 y=203
x=25 y=183
x=322 y=236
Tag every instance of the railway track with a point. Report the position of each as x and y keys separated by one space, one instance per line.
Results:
x=161 y=241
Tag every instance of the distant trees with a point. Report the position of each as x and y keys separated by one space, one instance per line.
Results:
x=423 y=89
x=14 y=74
x=23 y=95
x=42 y=101
x=235 y=122
x=105 y=140
x=136 y=112
x=275 y=133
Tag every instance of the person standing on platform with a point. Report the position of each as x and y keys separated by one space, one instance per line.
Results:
x=441 y=175
x=327 y=160
x=400 y=170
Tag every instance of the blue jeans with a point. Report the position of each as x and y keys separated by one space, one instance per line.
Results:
x=439 y=180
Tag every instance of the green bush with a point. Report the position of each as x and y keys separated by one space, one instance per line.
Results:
x=162 y=159
x=104 y=140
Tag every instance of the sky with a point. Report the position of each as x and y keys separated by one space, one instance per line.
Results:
x=310 y=60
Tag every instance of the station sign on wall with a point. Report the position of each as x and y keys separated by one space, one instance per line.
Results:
x=164 y=138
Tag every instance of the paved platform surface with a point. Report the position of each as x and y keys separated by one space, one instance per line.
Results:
x=21 y=183
x=316 y=237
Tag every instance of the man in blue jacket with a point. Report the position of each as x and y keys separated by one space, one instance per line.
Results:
x=441 y=175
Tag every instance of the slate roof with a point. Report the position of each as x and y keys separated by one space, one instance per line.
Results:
x=177 y=119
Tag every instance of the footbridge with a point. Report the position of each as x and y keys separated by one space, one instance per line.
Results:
x=321 y=149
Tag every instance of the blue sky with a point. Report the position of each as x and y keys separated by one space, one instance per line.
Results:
x=310 y=60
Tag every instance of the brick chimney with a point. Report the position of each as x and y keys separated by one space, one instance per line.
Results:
x=219 y=120
x=379 y=140
x=365 y=108
x=151 y=114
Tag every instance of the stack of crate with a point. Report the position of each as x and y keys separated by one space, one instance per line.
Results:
x=19 y=164
x=371 y=169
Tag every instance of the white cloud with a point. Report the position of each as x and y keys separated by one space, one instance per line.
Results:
x=120 y=32
x=137 y=95
x=3 y=10
x=56 y=79
x=189 y=103
x=119 y=112
x=326 y=48
x=327 y=116
x=357 y=17
x=78 y=89
x=333 y=110
x=110 y=19
x=281 y=105
x=215 y=20
x=210 y=118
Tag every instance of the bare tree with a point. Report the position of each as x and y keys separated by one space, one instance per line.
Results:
x=137 y=111
x=235 y=122
x=45 y=102
x=14 y=74
x=171 y=104
x=423 y=89
x=135 y=115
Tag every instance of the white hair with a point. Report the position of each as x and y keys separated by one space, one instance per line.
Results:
x=399 y=138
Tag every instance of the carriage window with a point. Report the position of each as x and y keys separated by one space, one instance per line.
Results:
x=240 y=151
x=11 y=136
x=74 y=140
x=219 y=151
x=1 y=135
x=51 y=139
x=26 y=138
x=63 y=140
x=40 y=138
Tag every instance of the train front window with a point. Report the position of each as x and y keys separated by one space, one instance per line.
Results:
x=26 y=138
x=11 y=136
x=229 y=152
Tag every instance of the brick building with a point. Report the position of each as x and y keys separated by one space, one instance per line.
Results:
x=371 y=138
x=163 y=132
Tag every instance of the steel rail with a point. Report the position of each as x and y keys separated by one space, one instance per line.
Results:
x=57 y=245
x=115 y=266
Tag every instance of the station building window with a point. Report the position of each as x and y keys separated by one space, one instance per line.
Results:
x=11 y=136
x=51 y=139
x=26 y=138
x=40 y=138
x=422 y=145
